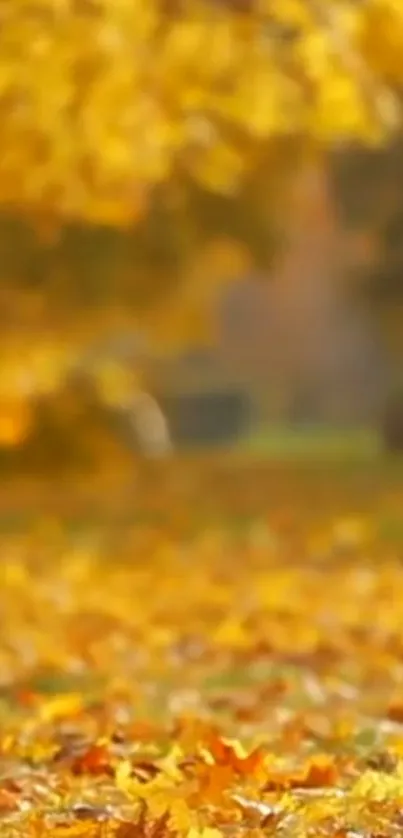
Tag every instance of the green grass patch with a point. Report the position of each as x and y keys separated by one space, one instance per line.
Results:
x=314 y=442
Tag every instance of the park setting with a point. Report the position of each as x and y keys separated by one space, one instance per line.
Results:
x=201 y=418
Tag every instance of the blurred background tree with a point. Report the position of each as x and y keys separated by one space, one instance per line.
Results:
x=147 y=152
x=367 y=187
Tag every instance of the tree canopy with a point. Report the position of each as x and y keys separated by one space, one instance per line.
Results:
x=104 y=100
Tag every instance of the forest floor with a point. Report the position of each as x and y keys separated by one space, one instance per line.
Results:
x=210 y=649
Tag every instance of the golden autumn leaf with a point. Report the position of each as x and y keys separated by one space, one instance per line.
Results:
x=205 y=832
x=62 y=706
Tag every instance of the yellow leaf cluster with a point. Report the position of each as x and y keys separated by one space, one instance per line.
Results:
x=374 y=786
x=105 y=99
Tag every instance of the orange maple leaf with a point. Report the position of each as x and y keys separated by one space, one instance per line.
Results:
x=320 y=771
x=225 y=753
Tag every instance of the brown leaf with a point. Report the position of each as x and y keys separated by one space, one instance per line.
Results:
x=9 y=801
x=395 y=712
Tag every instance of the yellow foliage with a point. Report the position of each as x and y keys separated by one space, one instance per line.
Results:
x=15 y=422
x=102 y=100
x=375 y=786
x=115 y=384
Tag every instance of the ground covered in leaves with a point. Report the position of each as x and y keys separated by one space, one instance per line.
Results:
x=212 y=657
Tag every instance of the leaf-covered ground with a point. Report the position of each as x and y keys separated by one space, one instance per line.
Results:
x=216 y=652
